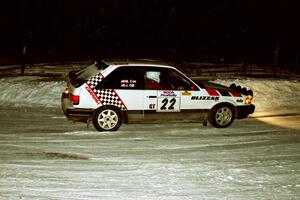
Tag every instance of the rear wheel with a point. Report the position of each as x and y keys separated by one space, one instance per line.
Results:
x=107 y=119
x=221 y=116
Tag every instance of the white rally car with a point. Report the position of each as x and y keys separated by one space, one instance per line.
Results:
x=108 y=93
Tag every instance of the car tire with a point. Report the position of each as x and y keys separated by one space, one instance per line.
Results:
x=107 y=118
x=221 y=116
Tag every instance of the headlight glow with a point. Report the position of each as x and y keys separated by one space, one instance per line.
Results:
x=248 y=100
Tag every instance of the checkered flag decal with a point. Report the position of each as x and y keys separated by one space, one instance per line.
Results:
x=106 y=96
x=109 y=97
x=93 y=82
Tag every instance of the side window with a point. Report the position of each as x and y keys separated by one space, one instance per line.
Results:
x=122 y=78
x=152 y=79
x=165 y=79
x=177 y=80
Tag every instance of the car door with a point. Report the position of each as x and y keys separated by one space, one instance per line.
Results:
x=161 y=99
x=179 y=96
x=151 y=87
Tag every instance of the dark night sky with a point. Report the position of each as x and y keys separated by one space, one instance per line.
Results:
x=237 y=31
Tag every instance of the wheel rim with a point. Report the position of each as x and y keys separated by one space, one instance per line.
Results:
x=108 y=119
x=223 y=116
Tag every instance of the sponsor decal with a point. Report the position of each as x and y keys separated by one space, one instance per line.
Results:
x=239 y=100
x=186 y=93
x=205 y=98
x=94 y=96
x=168 y=94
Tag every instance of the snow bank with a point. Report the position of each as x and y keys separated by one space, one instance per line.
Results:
x=30 y=91
x=271 y=96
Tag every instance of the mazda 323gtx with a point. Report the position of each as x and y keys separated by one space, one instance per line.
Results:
x=109 y=93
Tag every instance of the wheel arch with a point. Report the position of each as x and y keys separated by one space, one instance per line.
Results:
x=226 y=104
x=123 y=113
x=107 y=121
x=212 y=114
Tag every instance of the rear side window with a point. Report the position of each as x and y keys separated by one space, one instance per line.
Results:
x=77 y=78
x=122 y=78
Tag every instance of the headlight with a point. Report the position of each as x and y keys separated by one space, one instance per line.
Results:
x=248 y=100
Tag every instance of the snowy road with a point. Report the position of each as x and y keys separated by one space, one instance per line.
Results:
x=44 y=156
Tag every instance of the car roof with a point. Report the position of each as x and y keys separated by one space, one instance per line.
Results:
x=136 y=62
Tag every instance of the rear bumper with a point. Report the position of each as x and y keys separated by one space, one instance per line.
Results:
x=244 y=111
x=75 y=114
x=79 y=115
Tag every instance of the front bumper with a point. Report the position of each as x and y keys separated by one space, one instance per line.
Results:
x=244 y=111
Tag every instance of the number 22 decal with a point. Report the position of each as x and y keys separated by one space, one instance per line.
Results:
x=165 y=102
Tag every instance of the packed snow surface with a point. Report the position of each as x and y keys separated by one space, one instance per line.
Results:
x=45 y=156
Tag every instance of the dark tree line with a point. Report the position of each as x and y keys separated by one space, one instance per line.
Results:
x=232 y=30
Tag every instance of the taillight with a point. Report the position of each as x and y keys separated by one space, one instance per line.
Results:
x=248 y=100
x=75 y=99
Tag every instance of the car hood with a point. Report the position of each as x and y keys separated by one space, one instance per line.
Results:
x=211 y=85
x=233 y=89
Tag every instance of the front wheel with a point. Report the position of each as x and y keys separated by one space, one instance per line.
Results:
x=107 y=119
x=221 y=116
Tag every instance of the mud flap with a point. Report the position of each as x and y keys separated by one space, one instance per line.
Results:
x=205 y=119
x=88 y=122
x=125 y=117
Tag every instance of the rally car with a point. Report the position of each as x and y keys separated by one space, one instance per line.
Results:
x=109 y=93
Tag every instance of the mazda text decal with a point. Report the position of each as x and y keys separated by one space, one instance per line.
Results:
x=92 y=94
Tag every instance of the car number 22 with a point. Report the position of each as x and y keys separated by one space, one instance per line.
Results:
x=168 y=104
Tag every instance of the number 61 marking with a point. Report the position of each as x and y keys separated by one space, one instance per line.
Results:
x=165 y=102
